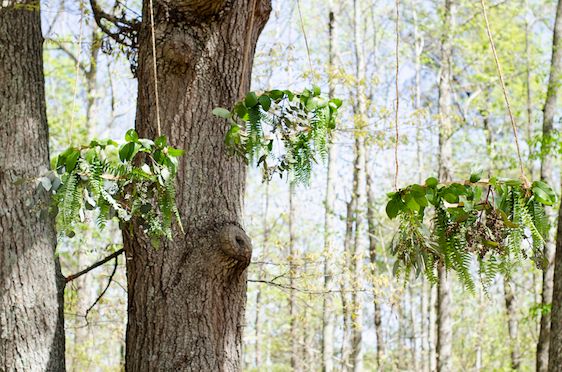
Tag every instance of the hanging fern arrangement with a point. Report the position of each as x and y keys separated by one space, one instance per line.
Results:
x=131 y=181
x=281 y=131
x=451 y=223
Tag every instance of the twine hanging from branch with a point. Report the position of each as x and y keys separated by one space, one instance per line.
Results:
x=155 y=69
x=396 y=113
x=504 y=90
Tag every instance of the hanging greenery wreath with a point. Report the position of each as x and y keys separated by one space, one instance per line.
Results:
x=281 y=131
x=131 y=181
x=449 y=224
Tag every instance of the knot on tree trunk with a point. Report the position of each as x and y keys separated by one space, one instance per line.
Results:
x=235 y=244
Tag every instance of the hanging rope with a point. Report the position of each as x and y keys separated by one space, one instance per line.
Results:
x=77 y=74
x=397 y=133
x=305 y=39
x=246 y=56
x=506 y=97
x=155 y=70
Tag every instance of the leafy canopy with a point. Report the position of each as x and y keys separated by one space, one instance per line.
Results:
x=485 y=219
x=280 y=130
x=131 y=181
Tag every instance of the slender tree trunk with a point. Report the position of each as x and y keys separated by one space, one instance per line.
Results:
x=371 y=204
x=329 y=219
x=510 y=310
x=345 y=302
x=359 y=191
x=444 y=326
x=186 y=300
x=31 y=284
x=296 y=361
x=265 y=245
x=432 y=328
x=547 y=174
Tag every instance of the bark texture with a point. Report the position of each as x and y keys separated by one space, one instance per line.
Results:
x=31 y=285
x=187 y=299
x=555 y=350
x=547 y=175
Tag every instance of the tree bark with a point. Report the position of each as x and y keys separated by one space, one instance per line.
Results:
x=329 y=221
x=31 y=284
x=512 y=327
x=377 y=315
x=555 y=349
x=186 y=300
x=547 y=175
x=444 y=326
x=296 y=361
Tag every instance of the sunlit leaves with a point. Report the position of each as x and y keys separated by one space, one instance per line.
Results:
x=118 y=181
x=483 y=219
x=282 y=131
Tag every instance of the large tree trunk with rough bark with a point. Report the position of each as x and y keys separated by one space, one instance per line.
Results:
x=31 y=285
x=555 y=349
x=547 y=175
x=187 y=298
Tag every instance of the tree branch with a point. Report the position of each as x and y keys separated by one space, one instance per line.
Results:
x=105 y=289
x=92 y=267
x=126 y=29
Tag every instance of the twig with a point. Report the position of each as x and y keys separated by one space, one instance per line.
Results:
x=92 y=267
x=105 y=289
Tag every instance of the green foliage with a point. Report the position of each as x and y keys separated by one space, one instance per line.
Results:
x=483 y=219
x=280 y=130
x=131 y=181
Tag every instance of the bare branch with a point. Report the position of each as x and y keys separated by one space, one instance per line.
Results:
x=92 y=267
x=106 y=287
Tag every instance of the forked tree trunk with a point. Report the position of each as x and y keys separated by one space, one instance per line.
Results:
x=547 y=175
x=444 y=326
x=186 y=299
x=31 y=285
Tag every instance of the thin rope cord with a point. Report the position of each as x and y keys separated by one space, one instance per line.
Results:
x=305 y=39
x=246 y=56
x=506 y=97
x=77 y=75
x=155 y=70
x=397 y=133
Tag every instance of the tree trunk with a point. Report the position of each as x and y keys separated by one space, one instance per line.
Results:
x=555 y=349
x=186 y=299
x=547 y=175
x=511 y=323
x=31 y=284
x=377 y=316
x=329 y=221
x=296 y=360
x=359 y=191
x=444 y=327
x=265 y=250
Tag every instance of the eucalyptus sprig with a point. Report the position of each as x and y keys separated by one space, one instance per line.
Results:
x=280 y=130
x=484 y=219
x=131 y=181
